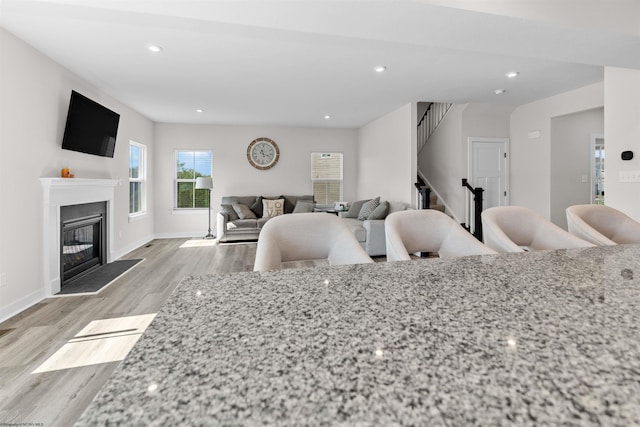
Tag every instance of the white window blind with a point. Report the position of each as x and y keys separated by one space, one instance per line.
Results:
x=326 y=178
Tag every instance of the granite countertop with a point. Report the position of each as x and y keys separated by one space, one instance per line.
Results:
x=540 y=338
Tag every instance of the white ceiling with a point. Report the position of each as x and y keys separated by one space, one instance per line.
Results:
x=290 y=63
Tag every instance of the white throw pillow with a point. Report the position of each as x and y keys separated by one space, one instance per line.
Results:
x=271 y=208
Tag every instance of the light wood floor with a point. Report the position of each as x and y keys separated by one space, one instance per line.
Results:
x=58 y=398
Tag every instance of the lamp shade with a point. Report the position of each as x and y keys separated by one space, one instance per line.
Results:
x=204 y=182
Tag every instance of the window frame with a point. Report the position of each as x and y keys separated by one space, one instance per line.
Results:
x=142 y=178
x=327 y=180
x=177 y=180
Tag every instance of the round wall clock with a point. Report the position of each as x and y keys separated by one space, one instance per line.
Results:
x=263 y=153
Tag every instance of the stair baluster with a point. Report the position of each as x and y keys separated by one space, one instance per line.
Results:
x=430 y=121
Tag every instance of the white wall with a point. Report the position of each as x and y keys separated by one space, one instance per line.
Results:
x=531 y=154
x=386 y=157
x=232 y=173
x=571 y=160
x=622 y=132
x=34 y=97
x=444 y=159
x=486 y=120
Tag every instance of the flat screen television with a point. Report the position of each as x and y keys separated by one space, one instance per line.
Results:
x=91 y=128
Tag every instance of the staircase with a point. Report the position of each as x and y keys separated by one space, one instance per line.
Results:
x=432 y=117
x=430 y=121
x=427 y=124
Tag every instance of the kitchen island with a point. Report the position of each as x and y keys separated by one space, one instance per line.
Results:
x=539 y=338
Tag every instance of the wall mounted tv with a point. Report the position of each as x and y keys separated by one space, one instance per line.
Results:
x=91 y=128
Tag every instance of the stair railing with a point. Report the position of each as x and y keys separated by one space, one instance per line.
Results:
x=477 y=209
x=430 y=121
x=425 y=195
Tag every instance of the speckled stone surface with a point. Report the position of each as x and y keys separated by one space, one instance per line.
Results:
x=543 y=338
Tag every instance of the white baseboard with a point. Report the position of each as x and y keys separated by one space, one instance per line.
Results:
x=179 y=235
x=20 y=305
x=115 y=255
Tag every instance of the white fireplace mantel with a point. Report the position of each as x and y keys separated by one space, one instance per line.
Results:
x=65 y=192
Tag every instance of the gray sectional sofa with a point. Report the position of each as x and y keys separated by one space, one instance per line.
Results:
x=231 y=227
x=368 y=230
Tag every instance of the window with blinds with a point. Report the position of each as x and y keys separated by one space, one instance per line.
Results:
x=326 y=178
x=189 y=166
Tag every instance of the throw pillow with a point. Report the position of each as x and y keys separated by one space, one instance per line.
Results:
x=272 y=208
x=354 y=209
x=256 y=207
x=289 y=203
x=243 y=211
x=243 y=200
x=397 y=206
x=368 y=208
x=304 y=206
x=231 y=213
x=380 y=212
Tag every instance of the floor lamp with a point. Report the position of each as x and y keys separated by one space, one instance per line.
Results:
x=206 y=183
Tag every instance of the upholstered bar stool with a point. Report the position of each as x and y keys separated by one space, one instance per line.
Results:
x=602 y=225
x=518 y=229
x=307 y=236
x=428 y=230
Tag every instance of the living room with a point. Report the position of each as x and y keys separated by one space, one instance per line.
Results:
x=33 y=82
x=380 y=157
x=34 y=104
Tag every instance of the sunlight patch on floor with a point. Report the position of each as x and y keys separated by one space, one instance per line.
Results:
x=198 y=243
x=101 y=341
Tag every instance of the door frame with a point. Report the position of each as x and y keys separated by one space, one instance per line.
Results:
x=505 y=200
x=594 y=137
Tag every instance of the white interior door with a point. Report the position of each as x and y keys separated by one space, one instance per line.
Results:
x=489 y=169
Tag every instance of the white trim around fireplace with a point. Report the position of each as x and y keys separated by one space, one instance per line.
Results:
x=64 y=192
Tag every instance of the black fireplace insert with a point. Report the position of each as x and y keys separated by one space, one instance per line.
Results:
x=83 y=242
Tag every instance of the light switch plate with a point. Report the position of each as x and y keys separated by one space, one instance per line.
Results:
x=629 y=176
x=534 y=134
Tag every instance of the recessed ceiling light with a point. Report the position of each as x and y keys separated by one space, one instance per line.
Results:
x=499 y=91
x=512 y=74
x=155 y=48
x=327 y=117
x=379 y=68
x=199 y=110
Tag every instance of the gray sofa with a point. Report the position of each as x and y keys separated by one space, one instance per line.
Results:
x=370 y=232
x=231 y=228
